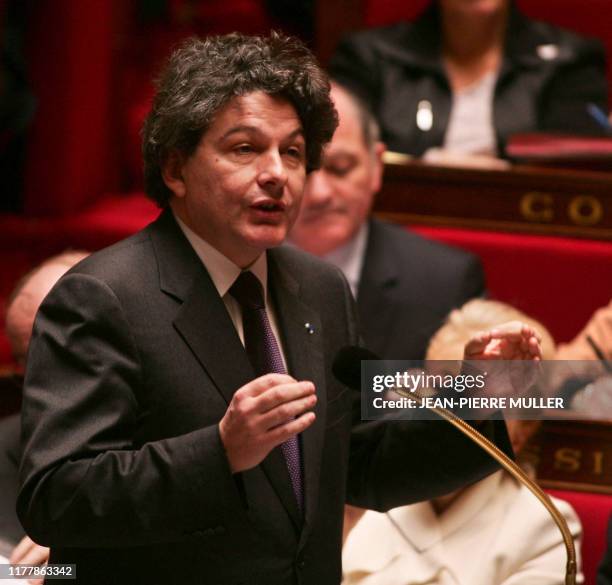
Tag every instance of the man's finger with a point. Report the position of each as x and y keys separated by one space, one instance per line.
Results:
x=477 y=343
x=36 y=555
x=259 y=385
x=287 y=411
x=281 y=433
x=24 y=545
x=282 y=394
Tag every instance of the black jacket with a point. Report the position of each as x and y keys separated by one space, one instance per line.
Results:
x=394 y=68
x=408 y=286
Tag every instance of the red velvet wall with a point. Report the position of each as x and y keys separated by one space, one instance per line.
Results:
x=71 y=158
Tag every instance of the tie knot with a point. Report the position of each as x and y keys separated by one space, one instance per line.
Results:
x=248 y=291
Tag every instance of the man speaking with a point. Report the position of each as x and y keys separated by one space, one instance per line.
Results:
x=181 y=421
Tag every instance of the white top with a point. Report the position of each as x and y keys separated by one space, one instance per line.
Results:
x=349 y=257
x=224 y=272
x=470 y=126
x=495 y=533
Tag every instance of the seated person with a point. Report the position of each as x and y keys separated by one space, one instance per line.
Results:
x=402 y=281
x=22 y=307
x=589 y=380
x=468 y=74
x=599 y=329
x=491 y=533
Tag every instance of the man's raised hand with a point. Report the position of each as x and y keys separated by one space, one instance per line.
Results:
x=263 y=414
x=514 y=340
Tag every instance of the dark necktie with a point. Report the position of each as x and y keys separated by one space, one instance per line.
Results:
x=265 y=356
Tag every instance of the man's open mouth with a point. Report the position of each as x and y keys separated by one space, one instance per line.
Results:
x=269 y=206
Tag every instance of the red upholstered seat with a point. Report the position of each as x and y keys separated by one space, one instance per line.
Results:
x=559 y=281
x=593 y=511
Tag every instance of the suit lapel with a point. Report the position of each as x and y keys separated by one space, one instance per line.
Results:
x=202 y=319
x=305 y=361
x=205 y=325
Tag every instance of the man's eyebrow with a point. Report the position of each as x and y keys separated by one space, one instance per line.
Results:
x=255 y=130
x=338 y=157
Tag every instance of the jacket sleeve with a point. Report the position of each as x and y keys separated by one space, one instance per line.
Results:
x=395 y=463
x=83 y=481
x=471 y=281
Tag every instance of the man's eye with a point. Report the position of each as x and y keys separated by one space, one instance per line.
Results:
x=338 y=170
x=295 y=152
x=243 y=149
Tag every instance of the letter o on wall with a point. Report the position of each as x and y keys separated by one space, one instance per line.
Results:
x=536 y=206
x=585 y=210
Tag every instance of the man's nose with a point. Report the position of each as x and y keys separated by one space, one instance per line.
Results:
x=272 y=174
x=318 y=190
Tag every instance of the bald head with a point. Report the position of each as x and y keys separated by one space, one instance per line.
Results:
x=29 y=294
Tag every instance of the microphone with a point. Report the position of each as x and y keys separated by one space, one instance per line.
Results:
x=347 y=365
x=346 y=368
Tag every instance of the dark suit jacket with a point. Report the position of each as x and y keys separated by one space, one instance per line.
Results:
x=395 y=68
x=408 y=286
x=133 y=361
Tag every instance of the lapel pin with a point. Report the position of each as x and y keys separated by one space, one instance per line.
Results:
x=309 y=328
x=548 y=52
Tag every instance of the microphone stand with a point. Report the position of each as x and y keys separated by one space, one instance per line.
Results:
x=515 y=471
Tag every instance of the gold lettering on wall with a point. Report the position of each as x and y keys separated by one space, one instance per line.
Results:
x=598 y=462
x=567 y=459
x=585 y=210
x=537 y=206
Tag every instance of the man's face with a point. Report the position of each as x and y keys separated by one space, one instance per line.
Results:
x=339 y=196
x=241 y=189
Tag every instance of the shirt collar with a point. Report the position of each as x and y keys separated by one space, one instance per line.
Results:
x=349 y=257
x=221 y=269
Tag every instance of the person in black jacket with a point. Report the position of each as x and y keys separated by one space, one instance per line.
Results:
x=465 y=76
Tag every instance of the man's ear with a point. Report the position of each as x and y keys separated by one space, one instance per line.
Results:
x=172 y=173
x=379 y=166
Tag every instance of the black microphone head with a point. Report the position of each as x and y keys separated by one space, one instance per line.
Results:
x=347 y=365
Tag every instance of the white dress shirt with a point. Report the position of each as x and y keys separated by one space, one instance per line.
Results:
x=349 y=257
x=224 y=272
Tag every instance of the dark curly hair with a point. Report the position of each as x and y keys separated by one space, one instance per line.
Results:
x=203 y=75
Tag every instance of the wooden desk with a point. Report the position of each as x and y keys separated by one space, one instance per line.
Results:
x=521 y=199
x=573 y=455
